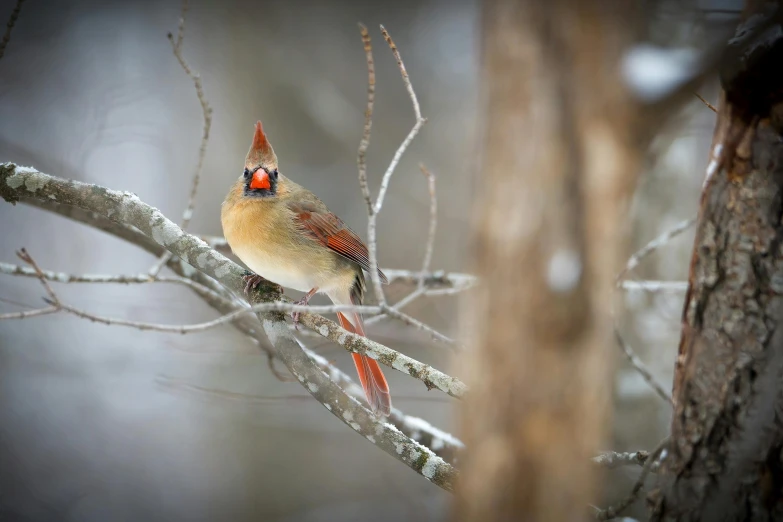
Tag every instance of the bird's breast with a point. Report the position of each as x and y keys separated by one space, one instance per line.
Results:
x=273 y=248
x=277 y=266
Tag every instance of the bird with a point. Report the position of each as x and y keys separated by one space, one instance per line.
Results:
x=285 y=234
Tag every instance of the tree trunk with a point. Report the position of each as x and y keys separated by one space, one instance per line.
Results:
x=557 y=170
x=725 y=459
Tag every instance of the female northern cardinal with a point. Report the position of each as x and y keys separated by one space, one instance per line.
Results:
x=285 y=234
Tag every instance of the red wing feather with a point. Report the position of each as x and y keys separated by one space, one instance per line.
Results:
x=331 y=232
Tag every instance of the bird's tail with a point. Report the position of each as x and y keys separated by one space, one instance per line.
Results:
x=376 y=389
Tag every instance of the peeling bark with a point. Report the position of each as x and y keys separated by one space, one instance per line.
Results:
x=725 y=456
x=725 y=460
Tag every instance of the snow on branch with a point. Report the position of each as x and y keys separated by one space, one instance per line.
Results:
x=125 y=207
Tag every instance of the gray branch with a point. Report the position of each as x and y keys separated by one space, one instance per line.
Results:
x=125 y=207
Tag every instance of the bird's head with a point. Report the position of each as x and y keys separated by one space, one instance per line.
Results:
x=260 y=176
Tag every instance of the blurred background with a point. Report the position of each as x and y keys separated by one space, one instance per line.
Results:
x=107 y=423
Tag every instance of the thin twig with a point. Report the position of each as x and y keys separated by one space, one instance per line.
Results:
x=27 y=258
x=640 y=367
x=53 y=301
x=449 y=291
x=435 y=279
x=10 y=26
x=29 y=313
x=614 y=459
x=708 y=104
x=364 y=143
x=653 y=245
x=431 y=377
x=399 y=305
x=425 y=267
x=206 y=110
x=407 y=319
x=614 y=511
x=413 y=132
x=142 y=223
x=655 y=286
x=214 y=323
x=374 y=209
x=62 y=277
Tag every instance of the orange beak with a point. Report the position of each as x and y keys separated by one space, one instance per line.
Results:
x=260 y=180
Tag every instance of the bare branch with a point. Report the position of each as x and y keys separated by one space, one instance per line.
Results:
x=10 y=26
x=653 y=245
x=613 y=511
x=206 y=110
x=613 y=459
x=438 y=279
x=431 y=279
x=374 y=209
x=413 y=132
x=640 y=367
x=276 y=306
x=442 y=443
x=361 y=158
x=53 y=300
x=62 y=277
x=28 y=313
x=655 y=286
x=425 y=267
x=431 y=377
x=705 y=102
x=27 y=258
x=128 y=208
x=407 y=319
x=217 y=242
x=399 y=305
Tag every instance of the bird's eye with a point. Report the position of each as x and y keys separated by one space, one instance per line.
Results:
x=247 y=173
x=274 y=173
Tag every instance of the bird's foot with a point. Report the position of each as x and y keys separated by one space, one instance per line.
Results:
x=253 y=280
x=302 y=302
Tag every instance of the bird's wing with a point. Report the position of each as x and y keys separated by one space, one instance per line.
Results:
x=331 y=232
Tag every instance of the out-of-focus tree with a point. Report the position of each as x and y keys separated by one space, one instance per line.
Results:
x=558 y=164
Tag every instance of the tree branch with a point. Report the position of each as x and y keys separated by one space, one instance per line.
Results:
x=640 y=367
x=364 y=143
x=654 y=245
x=425 y=266
x=206 y=110
x=431 y=377
x=614 y=511
x=10 y=26
x=128 y=208
x=613 y=459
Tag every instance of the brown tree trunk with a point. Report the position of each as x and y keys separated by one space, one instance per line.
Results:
x=725 y=456
x=558 y=167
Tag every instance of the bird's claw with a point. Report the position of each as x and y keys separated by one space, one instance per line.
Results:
x=252 y=281
x=295 y=315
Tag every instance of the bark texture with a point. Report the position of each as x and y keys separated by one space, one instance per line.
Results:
x=725 y=458
x=558 y=166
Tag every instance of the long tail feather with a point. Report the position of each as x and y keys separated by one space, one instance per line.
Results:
x=376 y=389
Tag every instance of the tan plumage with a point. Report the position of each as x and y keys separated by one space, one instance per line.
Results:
x=285 y=234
